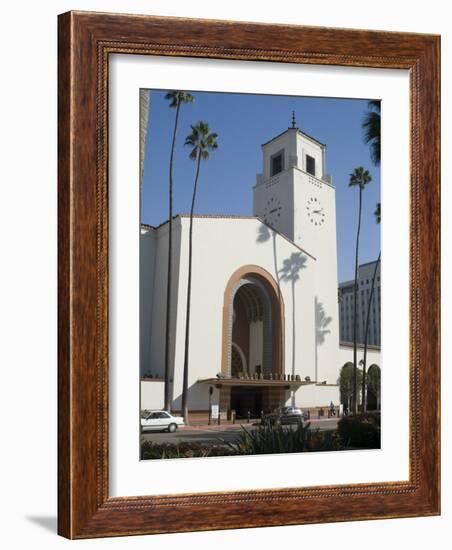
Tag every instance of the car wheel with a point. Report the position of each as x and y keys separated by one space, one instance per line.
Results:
x=172 y=428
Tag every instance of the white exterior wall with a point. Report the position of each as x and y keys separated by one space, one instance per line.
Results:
x=322 y=239
x=285 y=141
x=346 y=355
x=222 y=246
x=279 y=188
x=317 y=395
x=305 y=147
x=157 y=341
x=152 y=394
x=148 y=246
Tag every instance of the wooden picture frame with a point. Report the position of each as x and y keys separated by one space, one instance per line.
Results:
x=86 y=40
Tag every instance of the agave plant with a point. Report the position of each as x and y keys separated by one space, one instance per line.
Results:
x=270 y=438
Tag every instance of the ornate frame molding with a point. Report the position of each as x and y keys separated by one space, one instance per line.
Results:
x=85 y=42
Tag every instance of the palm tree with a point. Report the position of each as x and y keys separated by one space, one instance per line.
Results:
x=372 y=129
x=358 y=178
x=202 y=141
x=145 y=96
x=345 y=382
x=176 y=99
x=377 y=215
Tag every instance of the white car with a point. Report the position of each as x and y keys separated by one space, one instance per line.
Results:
x=161 y=420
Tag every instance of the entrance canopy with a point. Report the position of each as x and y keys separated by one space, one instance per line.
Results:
x=244 y=382
x=251 y=397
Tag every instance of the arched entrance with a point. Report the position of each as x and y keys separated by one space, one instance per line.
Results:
x=373 y=388
x=253 y=315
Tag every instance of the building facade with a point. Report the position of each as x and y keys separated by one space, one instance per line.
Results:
x=264 y=315
x=346 y=306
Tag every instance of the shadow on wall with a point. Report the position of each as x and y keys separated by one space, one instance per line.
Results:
x=322 y=320
x=264 y=234
x=290 y=273
x=198 y=398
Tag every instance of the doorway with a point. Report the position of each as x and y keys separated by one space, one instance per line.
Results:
x=247 y=400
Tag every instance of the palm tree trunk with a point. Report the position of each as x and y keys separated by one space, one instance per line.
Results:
x=187 y=317
x=293 y=341
x=355 y=307
x=167 y=399
x=144 y=119
x=366 y=335
x=279 y=359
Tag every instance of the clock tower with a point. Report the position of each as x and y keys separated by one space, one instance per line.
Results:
x=296 y=197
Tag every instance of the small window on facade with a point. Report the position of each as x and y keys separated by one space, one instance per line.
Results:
x=276 y=163
x=310 y=165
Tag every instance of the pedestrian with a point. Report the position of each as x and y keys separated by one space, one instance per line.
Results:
x=332 y=409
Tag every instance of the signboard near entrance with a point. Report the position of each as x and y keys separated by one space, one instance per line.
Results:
x=215 y=411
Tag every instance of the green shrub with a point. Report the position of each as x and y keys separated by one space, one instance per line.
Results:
x=262 y=439
x=151 y=450
x=325 y=440
x=360 y=431
x=270 y=438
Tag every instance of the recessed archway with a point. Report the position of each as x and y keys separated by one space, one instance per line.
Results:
x=373 y=388
x=238 y=361
x=261 y=301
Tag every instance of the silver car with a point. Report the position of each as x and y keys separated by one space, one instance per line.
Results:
x=286 y=415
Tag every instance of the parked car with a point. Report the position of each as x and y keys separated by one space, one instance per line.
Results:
x=161 y=421
x=286 y=415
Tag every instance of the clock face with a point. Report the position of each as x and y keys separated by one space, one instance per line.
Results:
x=315 y=211
x=272 y=211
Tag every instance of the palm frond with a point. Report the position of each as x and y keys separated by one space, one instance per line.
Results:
x=360 y=176
x=377 y=213
x=201 y=140
x=371 y=126
x=177 y=97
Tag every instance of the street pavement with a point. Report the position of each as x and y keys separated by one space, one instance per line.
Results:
x=218 y=435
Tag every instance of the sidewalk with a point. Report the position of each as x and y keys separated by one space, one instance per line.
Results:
x=228 y=425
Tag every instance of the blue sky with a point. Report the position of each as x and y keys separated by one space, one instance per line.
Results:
x=243 y=122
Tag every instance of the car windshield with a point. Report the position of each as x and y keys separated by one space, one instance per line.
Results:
x=158 y=414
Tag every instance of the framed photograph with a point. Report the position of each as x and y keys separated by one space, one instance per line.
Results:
x=244 y=339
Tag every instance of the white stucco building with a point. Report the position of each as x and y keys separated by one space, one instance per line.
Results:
x=264 y=299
